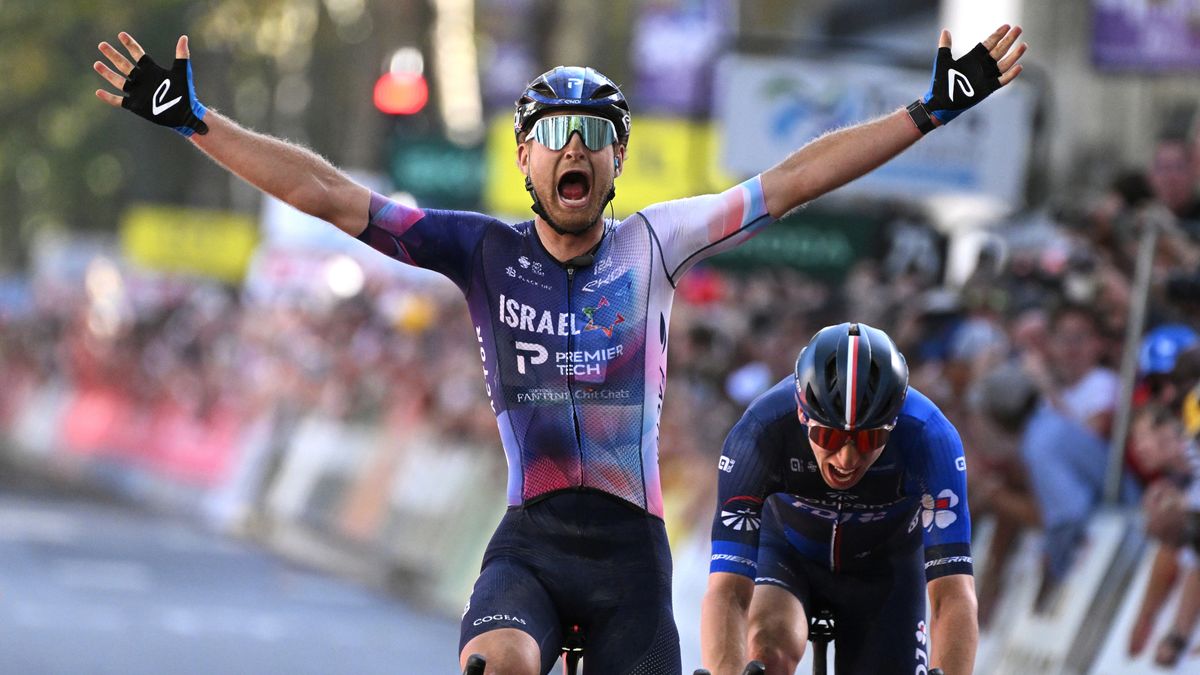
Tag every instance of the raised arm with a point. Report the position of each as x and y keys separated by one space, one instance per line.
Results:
x=284 y=170
x=841 y=156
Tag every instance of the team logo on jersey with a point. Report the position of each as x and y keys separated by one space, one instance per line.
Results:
x=726 y=464
x=938 y=511
x=742 y=513
x=527 y=264
x=800 y=466
x=537 y=354
x=595 y=322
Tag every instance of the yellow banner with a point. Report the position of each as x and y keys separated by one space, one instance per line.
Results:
x=215 y=244
x=667 y=159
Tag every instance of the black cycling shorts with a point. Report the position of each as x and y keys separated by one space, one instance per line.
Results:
x=878 y=610
x=581 y=558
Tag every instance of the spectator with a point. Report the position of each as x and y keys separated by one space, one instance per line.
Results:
x=1172 y=508
x=999 y=481
x=1173 y=177
x=1064 y=443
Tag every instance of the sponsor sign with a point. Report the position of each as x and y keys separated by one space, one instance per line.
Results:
x=770 y=106
x=1146 y=35
x=215 y=244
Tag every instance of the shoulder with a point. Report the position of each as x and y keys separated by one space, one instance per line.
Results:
x=1100 y=378
x=739 y=201
x=921 y=420
x=772 y=408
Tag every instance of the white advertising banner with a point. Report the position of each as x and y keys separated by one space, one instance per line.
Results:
x=770 y=106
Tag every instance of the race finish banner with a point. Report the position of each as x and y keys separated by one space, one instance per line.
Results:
x=769 y=107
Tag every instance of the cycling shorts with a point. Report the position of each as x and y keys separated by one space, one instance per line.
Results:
x=879 y=615
x=583 y=558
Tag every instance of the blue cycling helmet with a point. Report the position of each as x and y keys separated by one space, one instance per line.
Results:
x=851 y=376
x=574 y=88
x=1162 y=345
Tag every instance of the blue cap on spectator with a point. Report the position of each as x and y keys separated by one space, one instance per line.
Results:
x=1162 y=345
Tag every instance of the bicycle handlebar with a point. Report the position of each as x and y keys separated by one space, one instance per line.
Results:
x=475 y=665
x=755 y=668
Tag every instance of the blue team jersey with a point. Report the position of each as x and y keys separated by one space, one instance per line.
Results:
x=574 y=359
x=913 y=496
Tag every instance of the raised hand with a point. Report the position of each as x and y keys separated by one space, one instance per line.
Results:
x=165 y=97
x=958 y=84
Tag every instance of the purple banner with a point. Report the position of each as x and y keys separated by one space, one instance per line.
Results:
x=674 y=44
x=1146 y=35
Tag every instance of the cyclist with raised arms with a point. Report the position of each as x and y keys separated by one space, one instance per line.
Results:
x=571 y=313
x=844 y=489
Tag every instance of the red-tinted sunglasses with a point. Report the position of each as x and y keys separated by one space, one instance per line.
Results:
x=833 y=440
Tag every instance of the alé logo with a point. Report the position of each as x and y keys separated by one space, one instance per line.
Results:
x=156 y=104
x=962 y=82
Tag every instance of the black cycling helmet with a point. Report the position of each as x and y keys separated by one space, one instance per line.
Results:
x=575 y=88
x=851 y=376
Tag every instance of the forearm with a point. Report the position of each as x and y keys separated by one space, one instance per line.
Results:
x=835 y=159
x=1189 y=604
x=954 y=634
x=723 y=632
x=291 y=173
x=1163 y=573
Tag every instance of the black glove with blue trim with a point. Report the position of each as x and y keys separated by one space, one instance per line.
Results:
x=165 y=97
x=958 y=84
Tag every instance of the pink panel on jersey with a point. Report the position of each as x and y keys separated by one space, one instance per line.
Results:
x=731 y=216
x=395 y=218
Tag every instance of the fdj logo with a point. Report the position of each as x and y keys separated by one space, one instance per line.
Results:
x=726 y=464
x=538 y=354
x=595 y=322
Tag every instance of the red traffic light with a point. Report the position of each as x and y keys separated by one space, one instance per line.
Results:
x=401 y=93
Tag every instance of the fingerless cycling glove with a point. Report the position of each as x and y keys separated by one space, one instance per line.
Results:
x=957 y=85
x=165 y=97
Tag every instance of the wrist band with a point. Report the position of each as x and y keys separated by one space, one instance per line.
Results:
x=920 y=117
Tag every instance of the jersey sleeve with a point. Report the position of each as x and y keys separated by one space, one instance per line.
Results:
x=442 y=241
x=746 y=475
x=689 y=230
x=944 y=514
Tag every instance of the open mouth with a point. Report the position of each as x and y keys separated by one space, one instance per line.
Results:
x=840 y=475
x=574 y=188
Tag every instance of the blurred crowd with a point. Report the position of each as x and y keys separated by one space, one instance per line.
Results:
x=1024 y=357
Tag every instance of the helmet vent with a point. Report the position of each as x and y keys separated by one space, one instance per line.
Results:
x=542 y=87
x=832 y=384
x=604 y=91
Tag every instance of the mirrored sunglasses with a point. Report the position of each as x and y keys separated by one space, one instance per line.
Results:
x=833 y=440
x=555 y=132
